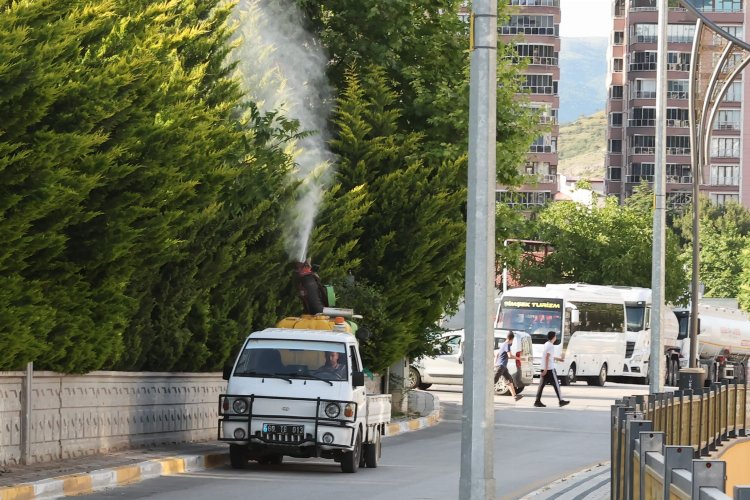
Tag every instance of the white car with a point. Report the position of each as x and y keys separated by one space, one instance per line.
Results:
x=448 y=368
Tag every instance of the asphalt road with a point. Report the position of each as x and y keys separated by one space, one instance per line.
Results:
x=533 y=446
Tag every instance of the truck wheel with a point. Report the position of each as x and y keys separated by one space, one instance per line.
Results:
x=372 y=451
x=237 y=456
x=350 y=459
x=570 y=378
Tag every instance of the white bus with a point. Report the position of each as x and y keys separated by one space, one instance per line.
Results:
x=589 y=321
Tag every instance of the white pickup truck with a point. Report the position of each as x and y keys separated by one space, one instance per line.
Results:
x=299 y=391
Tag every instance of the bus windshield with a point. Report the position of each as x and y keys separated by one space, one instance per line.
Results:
x=534 y=316
x=636 y=315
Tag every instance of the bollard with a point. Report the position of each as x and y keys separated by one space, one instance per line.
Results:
x=724 y=410
x=647 y=442
x=634 y=426
x=708 y=474
x=732 y=411
x=675 y=457
x=618 y=471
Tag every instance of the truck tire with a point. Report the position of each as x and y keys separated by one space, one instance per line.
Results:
x=372 y=451
x=238 y=456
x=350 y=459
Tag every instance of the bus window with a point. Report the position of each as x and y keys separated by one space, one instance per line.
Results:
x=599 y=317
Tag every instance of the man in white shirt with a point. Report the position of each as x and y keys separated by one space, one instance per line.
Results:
x=549 y=376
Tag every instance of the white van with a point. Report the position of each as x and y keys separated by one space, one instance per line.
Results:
x=448 y=368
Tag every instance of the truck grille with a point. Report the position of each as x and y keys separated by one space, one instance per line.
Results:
x=629 y=348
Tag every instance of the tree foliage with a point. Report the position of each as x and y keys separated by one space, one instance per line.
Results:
x=606 y=245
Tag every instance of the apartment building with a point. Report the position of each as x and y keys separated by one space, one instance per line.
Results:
x=534 y=30
x=631 y=106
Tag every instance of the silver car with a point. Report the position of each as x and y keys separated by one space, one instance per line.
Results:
x=447 y=367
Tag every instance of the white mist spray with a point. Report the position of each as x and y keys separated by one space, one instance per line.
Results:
x=283 y=69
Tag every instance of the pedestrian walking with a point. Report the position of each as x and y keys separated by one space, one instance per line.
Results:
x=501 y=364
x=549 y=375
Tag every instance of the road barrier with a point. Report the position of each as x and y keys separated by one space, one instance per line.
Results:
x=658 y=441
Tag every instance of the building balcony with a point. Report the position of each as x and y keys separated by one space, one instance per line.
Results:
x=678 y=179
x=637 y=179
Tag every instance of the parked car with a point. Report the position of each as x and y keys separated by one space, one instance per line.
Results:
x=447 y=366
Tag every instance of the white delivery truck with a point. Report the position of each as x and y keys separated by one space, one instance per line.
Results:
x=299 y=390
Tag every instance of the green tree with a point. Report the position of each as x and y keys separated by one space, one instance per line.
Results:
x=606 y=245
x=743 y=294
x=724 y=234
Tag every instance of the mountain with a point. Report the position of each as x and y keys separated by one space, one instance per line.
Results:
x=583 y=77
x=582 y=146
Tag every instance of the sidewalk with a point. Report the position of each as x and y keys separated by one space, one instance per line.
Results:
x=85 y=475
x=592 y=483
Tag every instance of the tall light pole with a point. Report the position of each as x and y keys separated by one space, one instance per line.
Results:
x=477 y=421
x=658 y=261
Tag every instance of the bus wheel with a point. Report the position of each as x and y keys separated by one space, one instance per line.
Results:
x=570 y=377
x=601 y=379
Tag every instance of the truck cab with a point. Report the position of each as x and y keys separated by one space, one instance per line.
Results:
x=298 y=390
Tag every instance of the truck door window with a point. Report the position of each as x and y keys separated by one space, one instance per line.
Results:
x=355 y=361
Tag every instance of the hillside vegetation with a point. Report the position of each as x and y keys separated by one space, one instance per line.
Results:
x=583 y=145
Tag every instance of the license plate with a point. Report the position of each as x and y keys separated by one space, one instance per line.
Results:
x=283 y=429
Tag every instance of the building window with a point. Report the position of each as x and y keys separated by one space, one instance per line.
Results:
x=529 y=25
x=678 y=61
x=678 y=144
x=540 y=84
x=619 y=8
x=677 y=89
x=679 y=173
x=524 y=199
x=720 y=5
x=537 y=54
x=644 y=89
x=643 y=61
x=617 y=65
x=680 y=33
x=643 y=144
x=727 y=119
x=724 y=198
x=615 y=92
x=725 y=147
x=641 y=172
x=614 y=174
x=735 y=30
x=615 y=145
x=734 y=93
x=615 y=119
x=619 y=38
x=643 y=117
x=644 y=33
x=544 y=144
x=725 y=175
x=678 y=117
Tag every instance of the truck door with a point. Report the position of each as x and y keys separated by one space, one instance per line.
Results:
x=358 y=393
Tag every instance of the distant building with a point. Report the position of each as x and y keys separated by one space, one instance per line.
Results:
x=534 y=29
x=631 y=106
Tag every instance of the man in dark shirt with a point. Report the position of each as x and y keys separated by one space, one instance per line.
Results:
x=501 y=364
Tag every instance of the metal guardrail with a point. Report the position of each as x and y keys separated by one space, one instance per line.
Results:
x=657 y=442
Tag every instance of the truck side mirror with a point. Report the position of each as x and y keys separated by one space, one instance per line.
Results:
x=227 y=372
x=358 y=379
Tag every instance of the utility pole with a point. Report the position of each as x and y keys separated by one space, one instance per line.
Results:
x=477 y=420
x=658 y=260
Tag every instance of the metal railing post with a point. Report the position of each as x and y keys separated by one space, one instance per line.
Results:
x=675 y=457
x=634 y=428
x=707 y=474
x=647 y=442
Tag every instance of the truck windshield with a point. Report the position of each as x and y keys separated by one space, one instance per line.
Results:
x=534 y=316
x=293 y=359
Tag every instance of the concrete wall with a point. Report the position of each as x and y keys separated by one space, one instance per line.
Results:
x=100 y=412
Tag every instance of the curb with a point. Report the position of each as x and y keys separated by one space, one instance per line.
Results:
x=82 y=484
x=433 y=418
x=86 y=483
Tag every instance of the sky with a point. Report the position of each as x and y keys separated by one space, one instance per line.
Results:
x=586 y=18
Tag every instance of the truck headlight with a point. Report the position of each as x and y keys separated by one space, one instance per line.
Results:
x=239 y=405
x=333 y=410
x=327 y=438
x=239 y=433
